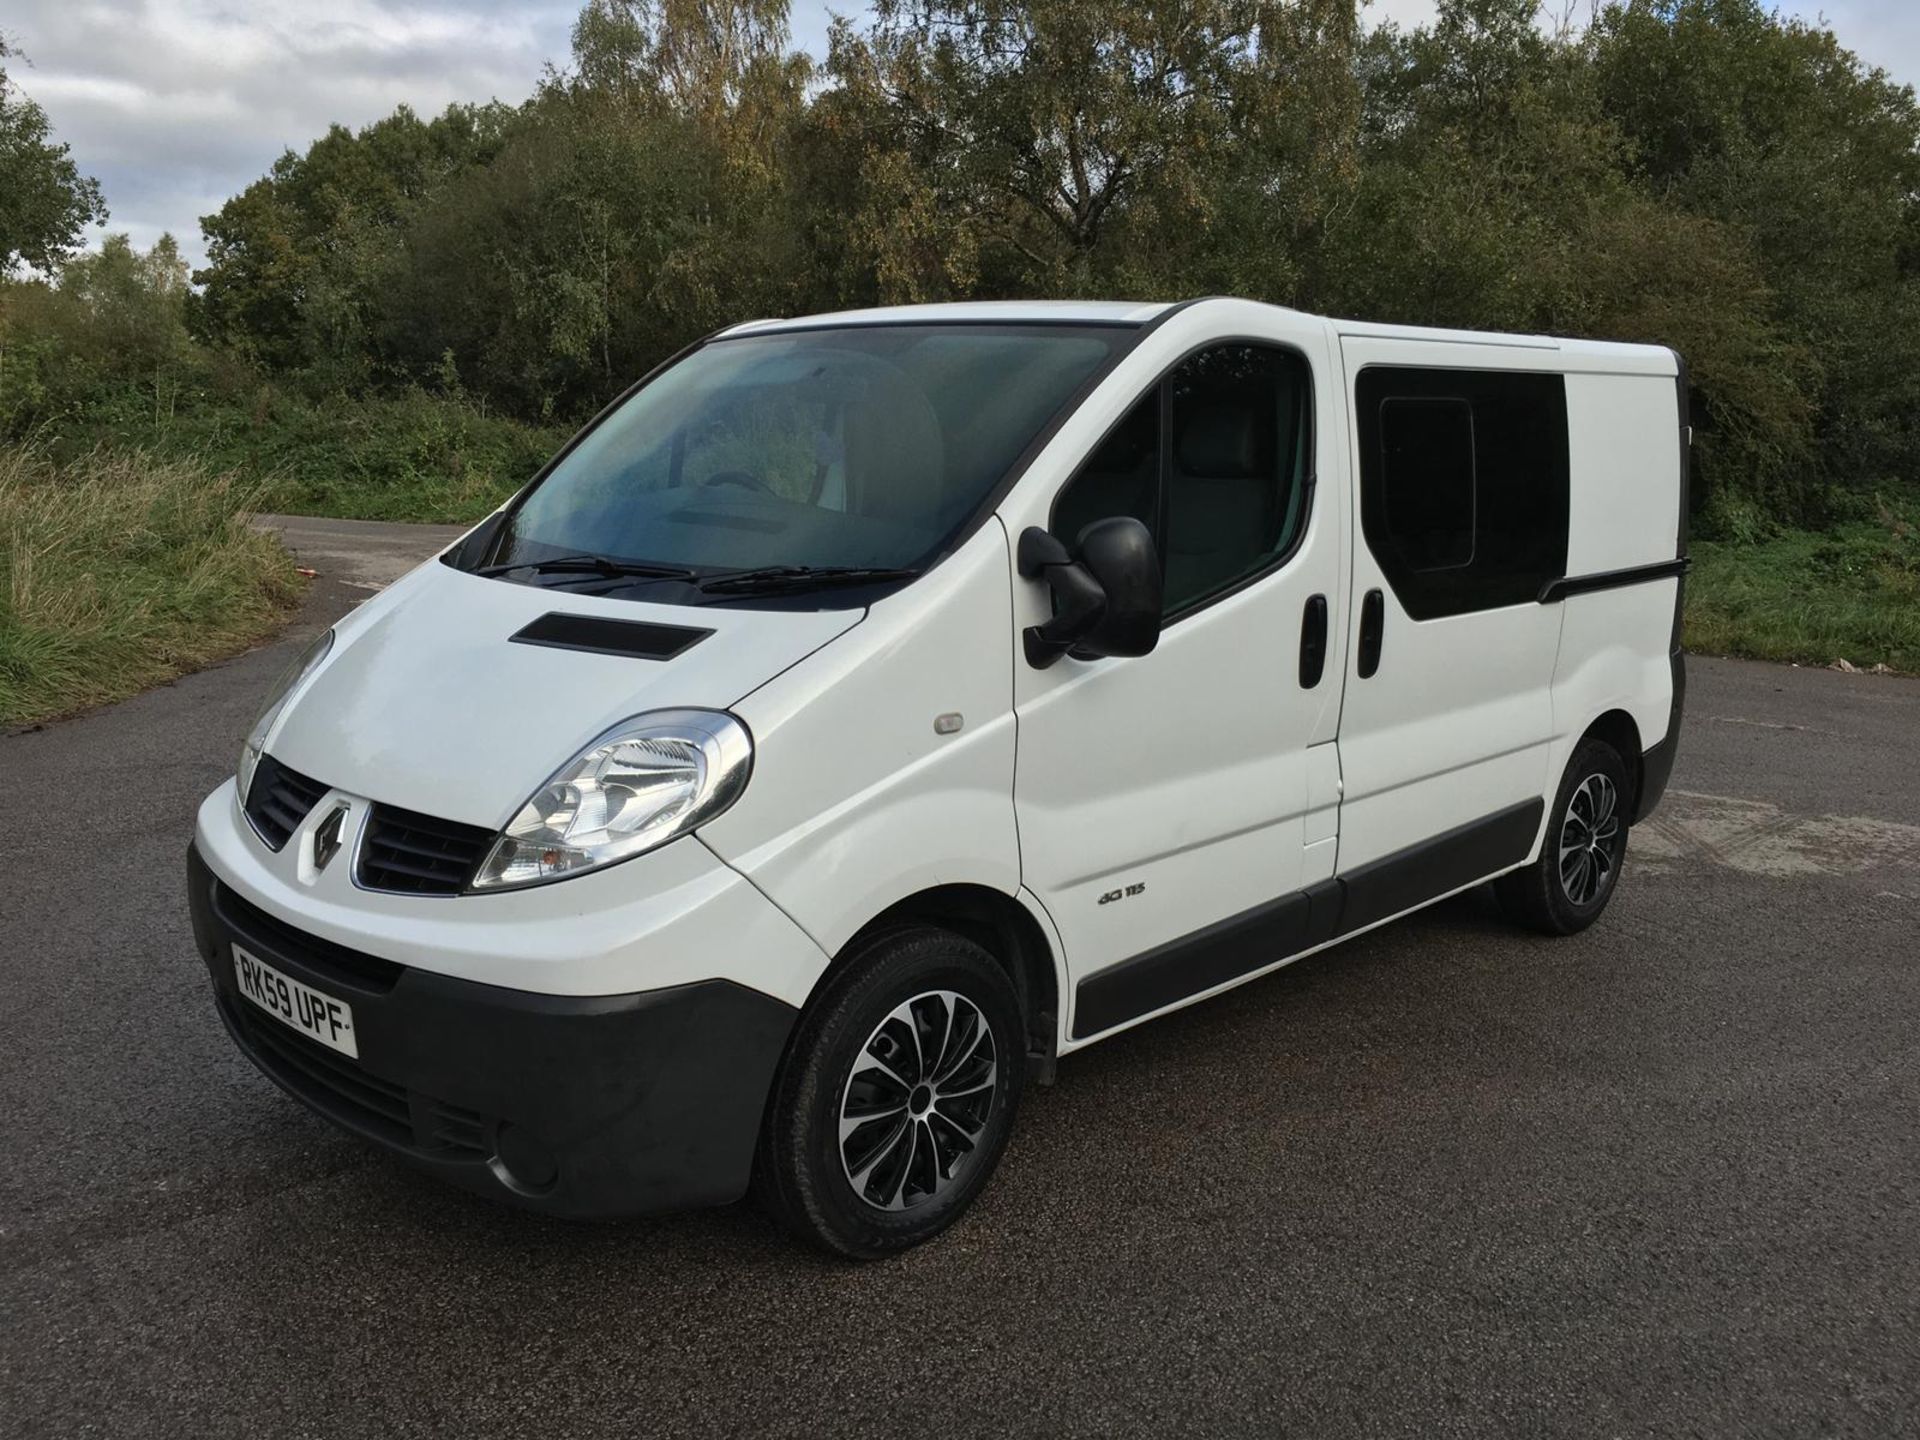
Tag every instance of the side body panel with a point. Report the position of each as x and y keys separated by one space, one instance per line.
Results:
x=856 y=801
x=1614 y=651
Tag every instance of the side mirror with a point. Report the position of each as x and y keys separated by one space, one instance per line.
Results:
x=1106 y=591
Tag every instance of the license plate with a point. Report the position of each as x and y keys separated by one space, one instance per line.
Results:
x=298 y=1007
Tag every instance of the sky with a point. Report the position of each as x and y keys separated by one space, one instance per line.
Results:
x=175 y=105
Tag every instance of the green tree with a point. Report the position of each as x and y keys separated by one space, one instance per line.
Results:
x=1698 y=173
x=1769 y=127
x=1495 y=192
x=1042 y=122
x=133 y=307
x=643 y=198
x=45 y=202
x=110 y=330
x=295 y=261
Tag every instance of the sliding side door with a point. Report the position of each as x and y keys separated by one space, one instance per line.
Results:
x=1461 y=464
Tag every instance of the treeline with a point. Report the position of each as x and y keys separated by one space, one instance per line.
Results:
x=1698 y=173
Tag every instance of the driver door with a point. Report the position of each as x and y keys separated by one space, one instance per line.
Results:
x=1171 y=806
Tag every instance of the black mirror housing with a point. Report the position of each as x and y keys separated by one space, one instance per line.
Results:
x=1120 y=555
x=1106 y=591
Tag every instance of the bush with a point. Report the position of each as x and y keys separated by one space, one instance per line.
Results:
x=411 y=456
x=118 y=571
x=103 y=360
x=1851 y=594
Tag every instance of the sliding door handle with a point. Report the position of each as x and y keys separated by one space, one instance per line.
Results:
x=1373 y=621
x=1313 y=642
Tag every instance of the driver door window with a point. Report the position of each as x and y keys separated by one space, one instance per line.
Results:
x=1213 y=460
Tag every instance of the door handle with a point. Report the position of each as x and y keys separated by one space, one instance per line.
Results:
x=1313 y=641
x=1373 y=621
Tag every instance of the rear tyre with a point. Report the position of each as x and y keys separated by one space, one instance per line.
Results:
x=1565 y=890
x=896 y=1097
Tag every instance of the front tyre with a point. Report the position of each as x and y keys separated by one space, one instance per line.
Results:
x=1565 y=890
x=896 y=1097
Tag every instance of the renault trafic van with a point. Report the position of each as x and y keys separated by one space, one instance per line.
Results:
x=866 y=710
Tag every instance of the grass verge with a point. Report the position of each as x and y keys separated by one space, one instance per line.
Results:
x=119 y=570
x=1850 y=594
x=409 y=456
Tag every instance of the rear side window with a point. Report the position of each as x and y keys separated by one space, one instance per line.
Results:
x=1463 y=484
x=1214 y=461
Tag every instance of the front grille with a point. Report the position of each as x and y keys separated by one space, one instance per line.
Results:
x=336 y=1086
x=278 y=799
x=452 y=1130
x=326 y=1079
x=418 y=854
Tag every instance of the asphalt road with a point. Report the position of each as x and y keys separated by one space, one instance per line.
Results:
x=1445 y=1180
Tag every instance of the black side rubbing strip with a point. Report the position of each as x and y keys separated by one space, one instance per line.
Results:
x=1612 y=579
x=1196 y=962
x=636 y=638
x=1434 y=867
x=1279 y=929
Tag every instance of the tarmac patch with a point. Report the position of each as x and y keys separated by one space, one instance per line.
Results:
x=1757 y=838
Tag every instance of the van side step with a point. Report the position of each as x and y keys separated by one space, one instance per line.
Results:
x=1282 y=928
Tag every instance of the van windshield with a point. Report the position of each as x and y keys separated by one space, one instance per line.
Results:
x=856 y=449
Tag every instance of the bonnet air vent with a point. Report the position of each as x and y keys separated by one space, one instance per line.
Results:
x=635 y=638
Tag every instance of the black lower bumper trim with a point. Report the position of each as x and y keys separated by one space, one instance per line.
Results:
x=593 y=1107
x=1656 y=762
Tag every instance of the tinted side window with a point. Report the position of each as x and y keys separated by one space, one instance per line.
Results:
x=1122 y=477
x=1214 y=461
x=1463 y=484
x=1427 y=481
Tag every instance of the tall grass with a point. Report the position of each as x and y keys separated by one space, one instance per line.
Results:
x=410 y=456
x=119 y=570
x=1852 y=593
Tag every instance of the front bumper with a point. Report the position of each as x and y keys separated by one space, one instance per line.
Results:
x=588 y=1106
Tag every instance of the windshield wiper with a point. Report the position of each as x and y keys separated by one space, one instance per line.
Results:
x=772 y=578
x=592 y=565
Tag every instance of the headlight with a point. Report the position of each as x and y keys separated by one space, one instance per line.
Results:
x=643 y=782
x=289 y=682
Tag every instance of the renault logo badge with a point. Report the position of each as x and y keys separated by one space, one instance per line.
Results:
x=326 y=839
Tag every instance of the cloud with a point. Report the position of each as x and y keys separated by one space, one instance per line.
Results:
x=176 y=105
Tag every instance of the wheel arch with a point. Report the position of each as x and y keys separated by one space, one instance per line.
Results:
x=1618 y=730
x=1002 y=926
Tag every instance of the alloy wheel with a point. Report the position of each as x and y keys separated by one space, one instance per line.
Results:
x=1590 y=840
x=917 y=1100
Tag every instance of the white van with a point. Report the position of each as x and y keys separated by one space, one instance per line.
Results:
x=868 y=709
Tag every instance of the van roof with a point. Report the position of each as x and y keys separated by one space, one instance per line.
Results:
x=1652 y=358
x=975 y=312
